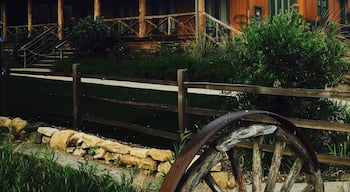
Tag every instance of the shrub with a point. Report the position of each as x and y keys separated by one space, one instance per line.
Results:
x=288 y=51
x=90 y=37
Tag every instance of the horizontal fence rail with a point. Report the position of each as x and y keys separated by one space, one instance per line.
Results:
x=183 y=109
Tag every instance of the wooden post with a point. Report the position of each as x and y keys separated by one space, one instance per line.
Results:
x=97 y=9
x=4 y=20
x=5 y=76
x=201 y=19
x=77 y=93
x=30 y=16
x=142 y=22
x=182 y=100
x=60 y=19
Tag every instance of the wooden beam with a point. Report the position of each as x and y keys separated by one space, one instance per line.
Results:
x=60 y=19
x=97 y=9
x=30 y=15
x=201 y=19
x=302 y=8
x=142 y=22
x=4 y=20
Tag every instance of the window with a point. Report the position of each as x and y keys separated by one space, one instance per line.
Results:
x=322 y=6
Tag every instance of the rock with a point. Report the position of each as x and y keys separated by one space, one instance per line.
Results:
x=216 y=168
x=165 y=167
x=139 y=152
x=18 y=124
x=79 y=152
x=5 y=121
x=108 y=156
x=47 y=131
x=45 y=139
x=231 y=183
x=91 y=140
x=35 y=138
x=70 y=149
x=60 y=139
x=143 y=163
x=100 y=153
x=114 y=147
x=221 y=178
x=161 y=155
x=76 y=139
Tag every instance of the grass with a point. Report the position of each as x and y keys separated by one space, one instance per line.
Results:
x=28 y=173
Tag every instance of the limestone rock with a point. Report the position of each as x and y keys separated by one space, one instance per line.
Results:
x=60 y=139
x=165 y=167
x=143 y=163
x=161 y=155
x=76 y=139
x=47 y=131
x=216 y=168
x=18 y=124
x=5 y=121
x=139 y=152
x=231 y=183
x=70 y=149
x=109 y=156
x=100 y=153
x=45 y=140
x=79 y=152
x=114 y=147
x=221 y=178
x=91 y=140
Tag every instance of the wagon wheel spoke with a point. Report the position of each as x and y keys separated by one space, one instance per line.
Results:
x=292 y=175
x=275 y=166
x=257 y=166
x=236 y=170
x=200 y=167
x=209 y=180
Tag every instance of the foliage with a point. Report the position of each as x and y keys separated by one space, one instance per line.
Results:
x=28 y=173
x=90 y=37
x=184 y=138
x=288 y=51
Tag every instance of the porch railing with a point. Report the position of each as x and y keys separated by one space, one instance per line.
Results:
x=36 y=29
x=177 y=25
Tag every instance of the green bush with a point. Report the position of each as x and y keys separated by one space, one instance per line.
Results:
x=90 y=37
x=288 y=51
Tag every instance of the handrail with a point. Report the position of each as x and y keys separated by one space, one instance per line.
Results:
x=60 y=46
x=222 y=24
x=39 y=46
x=38 y=38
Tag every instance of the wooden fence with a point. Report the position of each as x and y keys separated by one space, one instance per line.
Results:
x=183 y=109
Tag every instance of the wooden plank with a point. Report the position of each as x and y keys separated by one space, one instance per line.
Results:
x=257 y=165
x=97 y=9
x=140 y=105
x=142 y=14
x=182 y=100
x=60 y=19
x=132 y=127
x=4 y=19
x=5 y=76
x=77 y=93
x=301 y=123
x=29 y=15
x=297 y=92
x=201 y=18
x=322 y=158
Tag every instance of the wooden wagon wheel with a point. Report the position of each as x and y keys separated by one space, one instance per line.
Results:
x=185 y=177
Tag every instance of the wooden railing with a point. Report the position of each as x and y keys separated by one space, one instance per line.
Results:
x=38 y=28
x=182 y=109
x=177 y=25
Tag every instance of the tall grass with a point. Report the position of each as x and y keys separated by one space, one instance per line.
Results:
x=27 y=173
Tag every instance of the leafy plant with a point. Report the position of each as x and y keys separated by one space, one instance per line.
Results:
x=90 y=37
x=184 y=138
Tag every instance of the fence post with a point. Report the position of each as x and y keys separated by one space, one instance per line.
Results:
x=182 y=99
x=77 y=93
x=5 y=76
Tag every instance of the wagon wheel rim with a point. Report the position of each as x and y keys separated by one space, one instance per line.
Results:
x=172 y=180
